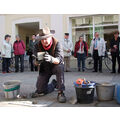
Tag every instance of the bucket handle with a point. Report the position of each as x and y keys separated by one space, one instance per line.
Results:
x=12 y=89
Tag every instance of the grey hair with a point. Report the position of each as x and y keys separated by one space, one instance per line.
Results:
x=17 y=36
x=81 y=36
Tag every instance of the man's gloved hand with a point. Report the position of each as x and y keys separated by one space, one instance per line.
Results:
x=48 y=58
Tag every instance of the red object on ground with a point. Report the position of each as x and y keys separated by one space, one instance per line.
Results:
x=3 y=72
x=79 y=81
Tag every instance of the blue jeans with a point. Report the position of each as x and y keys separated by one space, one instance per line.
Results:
x=5 y=64
x=81 y=58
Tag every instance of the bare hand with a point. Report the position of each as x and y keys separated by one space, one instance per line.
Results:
x=68 y=50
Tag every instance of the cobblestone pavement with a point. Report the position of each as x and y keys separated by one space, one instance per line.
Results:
x=28 y=80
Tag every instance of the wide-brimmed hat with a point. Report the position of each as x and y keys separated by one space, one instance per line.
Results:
x=45 y=33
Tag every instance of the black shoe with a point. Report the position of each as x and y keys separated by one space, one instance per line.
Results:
x=83 y=70
x=113 y=72
x=61 y=97
x=34 y=95
x=68 y=70
x=100 y=71
x=78 y=69
x=94 y=71
x=16 y=71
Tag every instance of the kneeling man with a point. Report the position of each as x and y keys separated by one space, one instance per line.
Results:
x=51 y=65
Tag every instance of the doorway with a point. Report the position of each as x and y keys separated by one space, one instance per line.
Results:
x=26 y=30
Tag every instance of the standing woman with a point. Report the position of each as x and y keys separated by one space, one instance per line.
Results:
x=6 y=54
x=115 y=51
x=19 y=51
x=81 y=51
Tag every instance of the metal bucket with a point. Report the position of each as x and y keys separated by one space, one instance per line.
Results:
x=11 y=89
x=105 y=91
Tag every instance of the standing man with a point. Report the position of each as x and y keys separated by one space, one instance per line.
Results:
x=51 y=65
x=97 y=49
x=30 y=51
x=67 y=47
x=115 y=51
x=19 y=51
x=6 y=54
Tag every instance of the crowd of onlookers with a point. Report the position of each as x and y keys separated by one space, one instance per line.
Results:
x=80 y=51
x=97 y=50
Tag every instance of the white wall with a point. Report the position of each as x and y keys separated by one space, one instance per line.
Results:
x=2 y=29
x=57 y=25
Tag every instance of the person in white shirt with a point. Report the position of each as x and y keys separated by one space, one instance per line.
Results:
x=97 y=49
x=67 y=47
x=6 y=54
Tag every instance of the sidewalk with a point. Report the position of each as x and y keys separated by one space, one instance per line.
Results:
x=29 y=81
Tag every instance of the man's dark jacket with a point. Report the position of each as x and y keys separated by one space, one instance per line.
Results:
x=56 y=51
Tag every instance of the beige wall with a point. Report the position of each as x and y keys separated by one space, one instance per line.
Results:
x=61 y=23
x=11 y=18
x=46 y=20
x=2 y=29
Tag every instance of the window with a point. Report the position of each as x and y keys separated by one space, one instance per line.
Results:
x=104 y=24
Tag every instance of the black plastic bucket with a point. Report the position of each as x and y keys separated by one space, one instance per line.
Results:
x=84 y=95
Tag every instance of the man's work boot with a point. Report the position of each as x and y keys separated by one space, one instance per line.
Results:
x=61 y=97
x=34 y=95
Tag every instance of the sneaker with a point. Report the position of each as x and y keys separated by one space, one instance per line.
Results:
x=61 y=97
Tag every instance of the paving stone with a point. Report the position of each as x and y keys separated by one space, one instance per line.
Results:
x=29 y=79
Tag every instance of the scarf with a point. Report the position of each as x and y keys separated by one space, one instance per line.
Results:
x=82 y=45
x=49 y=46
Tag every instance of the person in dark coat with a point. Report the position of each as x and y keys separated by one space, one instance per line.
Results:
x=19 y=51
x=115 y=51
x=30 y=52
x=52 y=64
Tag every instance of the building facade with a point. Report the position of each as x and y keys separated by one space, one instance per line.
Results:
x=27 y=24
